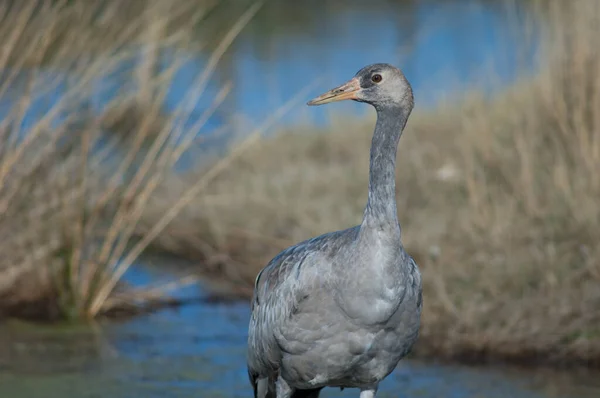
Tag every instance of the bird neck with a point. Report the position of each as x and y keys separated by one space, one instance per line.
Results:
x=380 y=212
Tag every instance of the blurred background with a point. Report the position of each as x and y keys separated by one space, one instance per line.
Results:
x=154 y=155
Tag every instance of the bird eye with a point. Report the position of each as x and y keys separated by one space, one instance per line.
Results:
x=376 y=78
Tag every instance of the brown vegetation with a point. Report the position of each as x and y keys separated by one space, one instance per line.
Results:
x=498 y=200
x=74 y=185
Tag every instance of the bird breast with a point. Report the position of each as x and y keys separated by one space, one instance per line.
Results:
x=371 y=307
x=372 y=292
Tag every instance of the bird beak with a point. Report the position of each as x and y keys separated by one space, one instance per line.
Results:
x=346 y=91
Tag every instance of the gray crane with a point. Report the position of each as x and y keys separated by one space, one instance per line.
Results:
x=342 y=309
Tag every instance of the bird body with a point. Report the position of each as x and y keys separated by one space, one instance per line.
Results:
x=342 y=309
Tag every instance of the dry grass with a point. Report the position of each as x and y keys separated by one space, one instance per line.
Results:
x=71 y=194
x=498 y=200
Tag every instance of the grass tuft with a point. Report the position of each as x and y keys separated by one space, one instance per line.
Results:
x=74 y=184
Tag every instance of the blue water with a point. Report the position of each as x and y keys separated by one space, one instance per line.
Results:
x=199 y=351
x=444 y=48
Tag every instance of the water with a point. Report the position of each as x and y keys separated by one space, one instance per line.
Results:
x=444 y=47
x=198 y=350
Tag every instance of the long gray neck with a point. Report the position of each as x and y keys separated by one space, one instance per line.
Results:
x=380 y=213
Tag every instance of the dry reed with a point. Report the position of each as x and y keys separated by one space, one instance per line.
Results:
x=70 y=202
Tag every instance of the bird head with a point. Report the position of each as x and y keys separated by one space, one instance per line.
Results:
x=381 y=85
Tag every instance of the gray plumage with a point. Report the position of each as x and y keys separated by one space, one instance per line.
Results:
x=341 y=309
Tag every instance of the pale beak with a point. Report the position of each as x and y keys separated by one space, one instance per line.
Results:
x=346 y=91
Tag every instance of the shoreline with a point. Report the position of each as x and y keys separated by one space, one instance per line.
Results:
x=428 y=348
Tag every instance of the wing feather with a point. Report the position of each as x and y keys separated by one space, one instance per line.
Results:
x=279 y=290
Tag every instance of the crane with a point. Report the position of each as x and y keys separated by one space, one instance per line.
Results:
x=342 y=309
